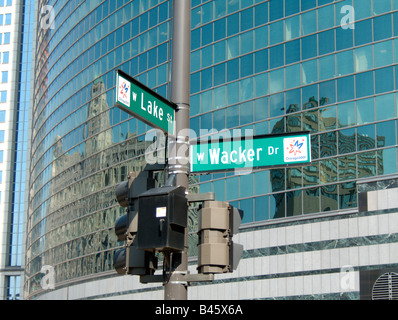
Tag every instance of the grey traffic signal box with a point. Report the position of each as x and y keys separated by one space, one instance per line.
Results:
x=162 y=219
x=218 y=222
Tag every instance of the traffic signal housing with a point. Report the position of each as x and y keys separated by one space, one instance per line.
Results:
x=218 y=222
x=130 y=260
x=162 y=219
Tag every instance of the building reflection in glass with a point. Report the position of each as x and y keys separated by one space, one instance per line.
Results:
x=328 y=184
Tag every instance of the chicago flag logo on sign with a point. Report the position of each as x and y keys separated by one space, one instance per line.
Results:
x=295 y=149
x=124 y=91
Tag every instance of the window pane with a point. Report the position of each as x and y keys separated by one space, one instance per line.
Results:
x=7 y=38
x=383 y=53
x=4 y=76
x=246 y=185
x=277 y=206
x=386 y=134
x=329 y=198
x=292 y=51
x=345 y=63
x=327 y=92
x=291 y=7
x=363 y=58
x=292 y=28
x=261 y=36
x=326 y=17
x=311 y=200
x=344 y=38
x=364 y=84
x=326 y=42
x=276 y=32
x=384 y=79
x=275 y=9
x=276 y=81
x=294 y=203
x=247 y=207
x=309 y=72
x=261 y=84
x=232 y=188
x=292 y=76
x=382 y=27
x=261 y=60
x=309 y=47
x=385 y=107
x=345 y=88
x=233 y=47
x=365 y=111
x=276 y=56
x=363 y=32
x=262 y=208
x=308 y=22
x=3 y=96
x=366 y=137
x=363 y=9
x=388 y=161
x=261 y=109
x=346 y=114
x=327 y=67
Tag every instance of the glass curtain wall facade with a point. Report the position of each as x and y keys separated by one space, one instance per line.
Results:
x=82 y=146
x=324 y=66
x=16 y=32
x=287 y=66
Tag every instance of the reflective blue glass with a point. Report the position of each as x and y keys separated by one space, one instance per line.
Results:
x=307 y=4
x=246 y=65
x=232 y=70
x=233 y=24
x=327 y=92
x=275 y=9
x=364 y=84
x=382 y=27
x=384 y=80
x=344 y=38
x=345 y=88
x=291 y=7
x=363 y=32
x=219 y=29
x=247 y=19
x=276 y=56
x=326 y=42
x=292 y=51
x=261 y=60
x=261 y=14
x=309 y=47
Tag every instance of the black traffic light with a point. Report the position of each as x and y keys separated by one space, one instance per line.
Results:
x=162 y=219
x=130 y=260
x=218 y=222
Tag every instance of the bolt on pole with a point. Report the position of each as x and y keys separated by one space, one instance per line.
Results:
x=177 y=288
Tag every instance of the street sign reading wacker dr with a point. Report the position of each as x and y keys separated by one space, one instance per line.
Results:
x=145 y=104
x=253 y=152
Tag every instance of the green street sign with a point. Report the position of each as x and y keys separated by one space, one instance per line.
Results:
x=144 y=104
x=254 y=152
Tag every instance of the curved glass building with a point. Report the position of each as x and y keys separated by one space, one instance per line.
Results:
x=275 y=66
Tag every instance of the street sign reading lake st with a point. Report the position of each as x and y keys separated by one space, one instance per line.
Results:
x=251 y=152
x=145 y=104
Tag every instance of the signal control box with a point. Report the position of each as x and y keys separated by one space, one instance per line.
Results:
x=162 y=219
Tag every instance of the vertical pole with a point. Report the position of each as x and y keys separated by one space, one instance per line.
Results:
x=176 y=288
